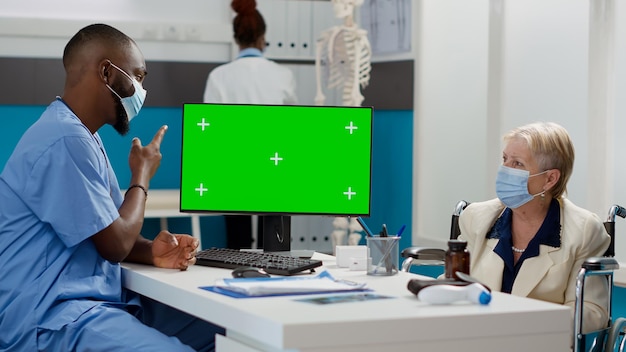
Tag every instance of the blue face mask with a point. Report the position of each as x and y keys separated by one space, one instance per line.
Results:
x=512 y=186
x=132 y=105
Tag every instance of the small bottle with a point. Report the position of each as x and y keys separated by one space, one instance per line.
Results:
x=457 y=259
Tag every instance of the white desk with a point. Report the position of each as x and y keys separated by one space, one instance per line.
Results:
x=508 y=323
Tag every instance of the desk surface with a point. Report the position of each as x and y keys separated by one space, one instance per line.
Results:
x=282 y=323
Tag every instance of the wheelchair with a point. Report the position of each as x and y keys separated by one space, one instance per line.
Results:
x=610 y=338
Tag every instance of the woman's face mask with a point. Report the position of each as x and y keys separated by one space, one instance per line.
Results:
x=512 y=186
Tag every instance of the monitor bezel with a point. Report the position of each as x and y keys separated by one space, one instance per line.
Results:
x=278 y=213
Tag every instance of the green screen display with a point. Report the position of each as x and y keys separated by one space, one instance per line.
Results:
x=275 y=159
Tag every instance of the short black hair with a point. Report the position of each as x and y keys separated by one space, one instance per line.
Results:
x=94 y=32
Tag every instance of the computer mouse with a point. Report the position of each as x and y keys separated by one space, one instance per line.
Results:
x=249 y=271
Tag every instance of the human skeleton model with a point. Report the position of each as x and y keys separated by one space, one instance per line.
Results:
x=355 y=232
x=347 y=54
x=343 y=226
x=339 y=233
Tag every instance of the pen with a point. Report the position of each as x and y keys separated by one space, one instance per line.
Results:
x=367 y=230
x=384 y=232
x=400 y=231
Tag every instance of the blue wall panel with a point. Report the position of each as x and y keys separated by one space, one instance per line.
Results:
x=15 y=120
x=144 y=126
x=392 y=160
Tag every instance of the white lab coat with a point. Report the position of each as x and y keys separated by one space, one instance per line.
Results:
x=251 y=80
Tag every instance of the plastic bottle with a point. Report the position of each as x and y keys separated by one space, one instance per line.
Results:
x=457 y=259
x=416 y=285
x=446 y=294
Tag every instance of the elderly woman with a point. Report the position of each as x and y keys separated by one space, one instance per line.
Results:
x=531 y=241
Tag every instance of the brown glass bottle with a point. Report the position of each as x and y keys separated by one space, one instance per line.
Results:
x=457 y=259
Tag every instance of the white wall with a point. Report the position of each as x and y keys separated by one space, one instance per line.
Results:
x=617 y=131
x=545 y=73
x=189 y=30
x=450 y=125
x=485 y=66
x=192 y=30
x=135 y=10
x=619 y=127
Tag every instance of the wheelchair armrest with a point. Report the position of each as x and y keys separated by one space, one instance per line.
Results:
x=604 y=266
x=424 y=253
x=600 y=263
x=422 y=256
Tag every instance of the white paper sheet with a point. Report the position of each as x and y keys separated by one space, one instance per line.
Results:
x=322 y=282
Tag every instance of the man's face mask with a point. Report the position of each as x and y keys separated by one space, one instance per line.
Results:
x=132 y=104
x=512 y=186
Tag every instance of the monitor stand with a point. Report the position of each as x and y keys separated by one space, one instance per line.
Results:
x=276 y=232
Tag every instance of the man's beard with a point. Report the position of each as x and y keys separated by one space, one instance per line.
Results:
x=122 y=126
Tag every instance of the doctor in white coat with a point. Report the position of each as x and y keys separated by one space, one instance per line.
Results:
x=249 y=79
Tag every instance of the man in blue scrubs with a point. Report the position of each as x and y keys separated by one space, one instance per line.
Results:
x=65 y=226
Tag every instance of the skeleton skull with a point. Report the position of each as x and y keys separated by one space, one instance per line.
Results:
x=345 y=8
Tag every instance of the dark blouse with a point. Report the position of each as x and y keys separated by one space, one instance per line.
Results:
x=549 y=234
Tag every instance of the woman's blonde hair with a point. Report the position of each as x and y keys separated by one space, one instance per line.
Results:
x=550 y=145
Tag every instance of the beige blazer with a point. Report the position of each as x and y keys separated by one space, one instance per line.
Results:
x=551 y=276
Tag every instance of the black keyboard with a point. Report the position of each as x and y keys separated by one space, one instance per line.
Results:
x=277 y=264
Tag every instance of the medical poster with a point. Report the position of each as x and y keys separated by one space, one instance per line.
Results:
x=388 y=24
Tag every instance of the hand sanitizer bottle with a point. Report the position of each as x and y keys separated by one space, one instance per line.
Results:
x=446 y=294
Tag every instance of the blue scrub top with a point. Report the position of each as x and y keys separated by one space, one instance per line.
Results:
x=57 y=190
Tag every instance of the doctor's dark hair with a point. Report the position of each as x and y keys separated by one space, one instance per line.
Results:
x=552 y=148
x=248 y=24
x=101 y=33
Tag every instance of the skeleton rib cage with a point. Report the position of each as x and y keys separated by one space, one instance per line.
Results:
x=344 y=54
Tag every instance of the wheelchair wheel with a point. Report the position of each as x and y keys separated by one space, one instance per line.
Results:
x=615 y=340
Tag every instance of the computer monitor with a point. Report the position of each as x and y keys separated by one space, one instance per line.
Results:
x=276 y=161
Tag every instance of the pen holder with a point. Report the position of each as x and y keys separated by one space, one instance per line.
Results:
x=382 y=259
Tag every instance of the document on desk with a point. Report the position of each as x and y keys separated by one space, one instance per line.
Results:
x=354 y=297
x=256 y=287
